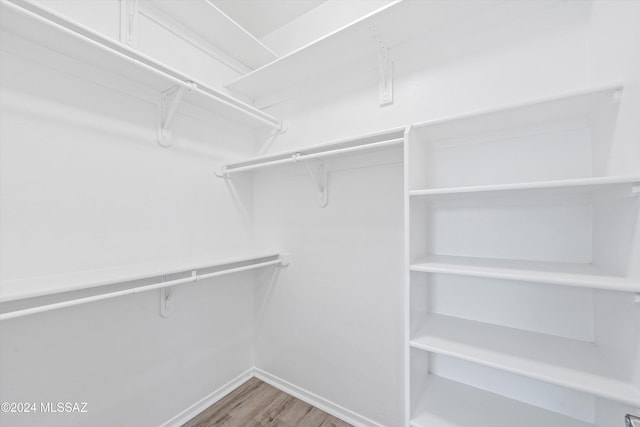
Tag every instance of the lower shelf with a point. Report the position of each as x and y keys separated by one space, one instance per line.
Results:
x=446 y=403
x=577 y=365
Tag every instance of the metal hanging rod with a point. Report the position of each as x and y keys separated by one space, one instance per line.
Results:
x=112 y=47
x=298 y=156
x=282 y=260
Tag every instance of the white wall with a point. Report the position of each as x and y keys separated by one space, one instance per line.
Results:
x=154 y=34
x=331 y=323
x=79 y=160
x=131 y=366
x=526 y=58
x=84 y=186
x=101 y=16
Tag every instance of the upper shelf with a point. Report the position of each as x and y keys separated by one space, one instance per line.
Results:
x=555 y=273
x=207 y=20
x=33 y=287
x=45 y=28
x=582 y=185
x=561 y=106
x=366 y=142
x=354 y=42
x=565 y=362
x=56 y=299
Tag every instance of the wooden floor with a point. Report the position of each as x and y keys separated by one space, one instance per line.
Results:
x=256 y=403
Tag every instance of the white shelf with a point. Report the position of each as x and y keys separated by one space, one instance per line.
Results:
x=45 y=28
x=372 y=141
x=598 y=185
x=579 y=103
x=352 y=43
x=204 y=18
x=32 y=287
x=556 y=273
x=565 y=362
x=446 y=403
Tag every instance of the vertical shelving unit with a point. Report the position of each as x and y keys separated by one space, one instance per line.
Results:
x=518 y=252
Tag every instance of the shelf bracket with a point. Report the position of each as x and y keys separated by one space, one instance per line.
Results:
x=385 y=70
x=284 y=127
x=617 y=96
x=631 y=421
x=169 y=101
x=318 y=174
x=285 y=259
x=168 y=300
x=128 y=22
x=220 y=172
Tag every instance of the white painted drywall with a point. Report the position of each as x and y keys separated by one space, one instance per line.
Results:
x=526 y=58
x=331 y=323
x=289 y=339
x=101 y=16
x=77 y=174
x=84 y=186
x=153 y=34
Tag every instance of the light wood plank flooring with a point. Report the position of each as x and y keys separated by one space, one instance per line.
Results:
x=256 y=403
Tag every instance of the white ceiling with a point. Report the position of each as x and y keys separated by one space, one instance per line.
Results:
x=261 y=17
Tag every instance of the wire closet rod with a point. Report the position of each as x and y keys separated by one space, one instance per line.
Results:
x=298 y=157
x=83 y=33
x=136 y=290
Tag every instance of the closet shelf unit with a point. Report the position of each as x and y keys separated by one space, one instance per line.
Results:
x=355 y=42
x=442 y=401
x=555 y=273
x=513 y=215
x=32 y=295
x=206 y=19
x=369 y=142
x=327 y=54
x=593 y=185
x=75 y=42
x=574 y=364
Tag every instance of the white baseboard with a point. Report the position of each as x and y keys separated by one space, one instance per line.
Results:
x=302 y=394
x=209 y=400
x=315 y=400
